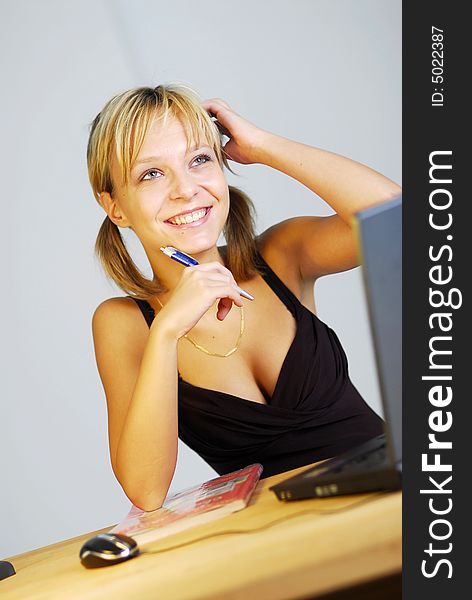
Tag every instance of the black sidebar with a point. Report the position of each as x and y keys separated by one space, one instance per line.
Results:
x=437 y=365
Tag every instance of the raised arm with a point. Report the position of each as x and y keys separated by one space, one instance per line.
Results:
x=317 y=245
x=324 y=245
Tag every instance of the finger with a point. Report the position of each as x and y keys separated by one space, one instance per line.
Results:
x=212 y=266
x=212 y=107
x=222 y=279
x=224 y=306
x=217 y=279
x=221 y=115
x=217 y=274
x=226 y=291
x=213 y=104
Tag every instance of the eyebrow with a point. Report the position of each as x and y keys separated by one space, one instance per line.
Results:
x=149 y=159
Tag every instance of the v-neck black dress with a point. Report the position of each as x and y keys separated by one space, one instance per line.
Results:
x=314 y=413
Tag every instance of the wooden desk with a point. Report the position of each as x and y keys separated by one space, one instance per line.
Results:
x=305 y=556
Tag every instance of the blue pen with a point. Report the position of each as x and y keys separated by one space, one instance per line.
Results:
x=188 y=261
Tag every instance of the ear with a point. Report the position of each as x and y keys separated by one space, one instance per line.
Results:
x=113 y=210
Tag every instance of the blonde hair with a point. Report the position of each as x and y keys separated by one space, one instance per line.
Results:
x=119 y=131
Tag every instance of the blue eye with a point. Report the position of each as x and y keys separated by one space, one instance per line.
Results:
x=205 y=158
x=154 y=173
x=145 y=176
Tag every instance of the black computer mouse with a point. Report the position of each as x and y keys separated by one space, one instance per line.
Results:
x=107 y=549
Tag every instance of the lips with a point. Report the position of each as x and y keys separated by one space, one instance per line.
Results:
x=190 y=218
x=187 y=212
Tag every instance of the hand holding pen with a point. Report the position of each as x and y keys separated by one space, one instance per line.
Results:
x=189 y=261
x=196 y=292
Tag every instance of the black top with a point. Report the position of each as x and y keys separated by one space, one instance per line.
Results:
x=315 y=411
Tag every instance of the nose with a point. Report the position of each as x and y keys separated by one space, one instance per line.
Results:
x=183 y=186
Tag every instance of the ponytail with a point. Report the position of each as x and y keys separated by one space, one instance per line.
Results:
x=118 y=264
x=239 y=232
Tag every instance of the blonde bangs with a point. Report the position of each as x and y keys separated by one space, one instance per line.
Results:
x=119 y=130
x=186 y=106
x=133 y=123
x=130 y=131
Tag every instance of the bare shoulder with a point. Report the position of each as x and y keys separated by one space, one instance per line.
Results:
x=283 y=238
x=120 y=334
x=314 y=246
x=119 y=305
x=118 y=311
x=119 y=322
x=278 y=247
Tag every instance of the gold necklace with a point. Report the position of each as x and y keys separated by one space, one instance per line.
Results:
x=232 y=351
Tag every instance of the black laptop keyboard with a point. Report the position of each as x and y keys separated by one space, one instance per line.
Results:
x=368 y=456
x=369 y=460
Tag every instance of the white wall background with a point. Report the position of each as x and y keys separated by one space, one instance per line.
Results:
x=323 y=72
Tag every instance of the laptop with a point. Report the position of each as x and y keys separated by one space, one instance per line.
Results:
x=377 y=463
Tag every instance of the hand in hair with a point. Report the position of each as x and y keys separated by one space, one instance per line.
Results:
x=198 y=289
x=243 y=143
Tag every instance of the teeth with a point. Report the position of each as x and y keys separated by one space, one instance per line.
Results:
x=195 y=216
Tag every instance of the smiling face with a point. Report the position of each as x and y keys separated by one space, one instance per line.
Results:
x=174 y=196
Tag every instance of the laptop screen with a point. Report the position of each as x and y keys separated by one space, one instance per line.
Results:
x=380 y=239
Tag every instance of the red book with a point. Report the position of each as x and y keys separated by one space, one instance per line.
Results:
x=192 y=506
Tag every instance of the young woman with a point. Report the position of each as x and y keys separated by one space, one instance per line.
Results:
x=184 y=354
